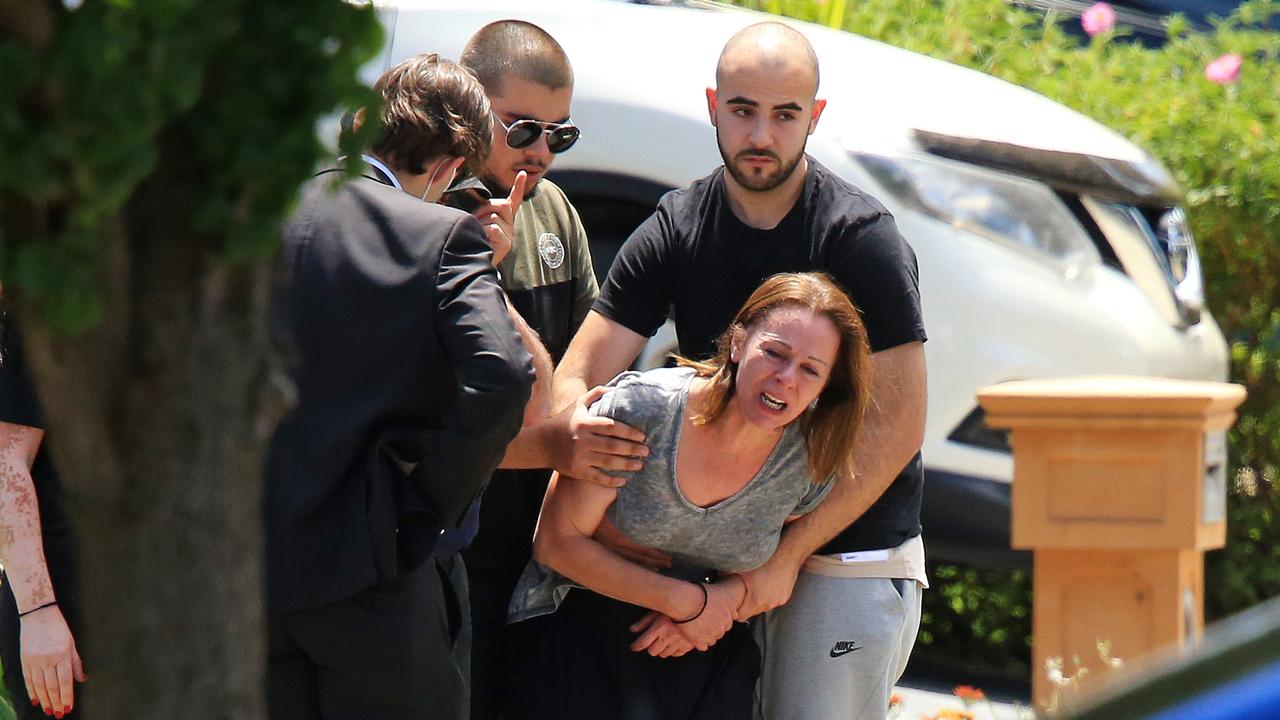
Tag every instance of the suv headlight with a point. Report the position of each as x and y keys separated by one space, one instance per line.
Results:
x=1173 y=236
x=1156 y=249
x=1022 y=214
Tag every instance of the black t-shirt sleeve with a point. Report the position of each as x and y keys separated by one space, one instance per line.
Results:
x=877 y=267
x=18 y=404
x=637 y=292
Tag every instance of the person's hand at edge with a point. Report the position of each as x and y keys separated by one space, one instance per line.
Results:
x=50 y=662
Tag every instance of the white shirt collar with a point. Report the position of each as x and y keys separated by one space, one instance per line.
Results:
x=386 y=170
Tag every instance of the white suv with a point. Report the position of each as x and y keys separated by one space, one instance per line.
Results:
x=1048 y=245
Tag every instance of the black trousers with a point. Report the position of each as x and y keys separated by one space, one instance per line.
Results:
x=495 y=560
x=579 y=666
x=61 y=563
x=386 y=652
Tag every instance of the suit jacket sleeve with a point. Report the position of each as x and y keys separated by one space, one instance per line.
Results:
x=493 y=372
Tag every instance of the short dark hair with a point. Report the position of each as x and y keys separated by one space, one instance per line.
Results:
x=432 y=107
x=520 y=48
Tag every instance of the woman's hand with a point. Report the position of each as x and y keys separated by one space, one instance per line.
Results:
x=659 y=636
x=50 y=662
x=715 y=619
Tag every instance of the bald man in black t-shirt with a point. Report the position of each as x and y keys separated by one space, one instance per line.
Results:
x=772 y=209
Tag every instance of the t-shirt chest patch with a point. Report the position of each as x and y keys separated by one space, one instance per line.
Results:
x=551 y=250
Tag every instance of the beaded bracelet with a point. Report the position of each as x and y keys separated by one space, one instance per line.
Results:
x=698 y=614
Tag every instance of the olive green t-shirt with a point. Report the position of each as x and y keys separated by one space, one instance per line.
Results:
x=548 y=273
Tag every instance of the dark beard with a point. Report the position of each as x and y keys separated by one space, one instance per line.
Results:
x=756 y=183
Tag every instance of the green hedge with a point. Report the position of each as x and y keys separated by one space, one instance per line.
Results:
x=1222 y=142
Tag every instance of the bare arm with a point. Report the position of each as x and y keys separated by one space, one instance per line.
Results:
x=891 y=435
x=572 y=441
x=49 y=657
x=21 y=546
x=571 y=513
x=600 y=350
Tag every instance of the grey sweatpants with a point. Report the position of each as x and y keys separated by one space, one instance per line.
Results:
x=836 y=649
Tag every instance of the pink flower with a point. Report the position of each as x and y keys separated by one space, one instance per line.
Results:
x=1099 y=18
x=1225 y=69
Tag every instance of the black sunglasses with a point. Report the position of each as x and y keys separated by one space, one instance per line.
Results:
x=524 y=132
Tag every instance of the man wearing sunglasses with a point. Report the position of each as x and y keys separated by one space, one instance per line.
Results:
x=546 y=271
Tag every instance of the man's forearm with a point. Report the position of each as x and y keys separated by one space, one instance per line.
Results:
x=534 y=447
x=600 y=350
x=848 y=500
x=529 y=449
x=891 y=435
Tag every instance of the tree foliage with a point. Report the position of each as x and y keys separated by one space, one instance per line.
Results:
x=93 y=94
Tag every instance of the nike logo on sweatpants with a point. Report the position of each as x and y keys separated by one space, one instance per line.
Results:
x=843 y=648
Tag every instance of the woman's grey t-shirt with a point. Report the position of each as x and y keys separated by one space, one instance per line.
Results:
x=734 y=535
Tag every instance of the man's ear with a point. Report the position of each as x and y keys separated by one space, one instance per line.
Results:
x=444 y=169
x=452 y=165
x=818 y=107
x=357 y=120
x=711 y=105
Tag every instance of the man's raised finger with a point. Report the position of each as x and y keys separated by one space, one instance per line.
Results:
x=517 y=192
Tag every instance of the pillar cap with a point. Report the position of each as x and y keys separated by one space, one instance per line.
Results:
x=1110 y=395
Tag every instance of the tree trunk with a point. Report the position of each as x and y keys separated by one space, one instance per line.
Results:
x=159 y=418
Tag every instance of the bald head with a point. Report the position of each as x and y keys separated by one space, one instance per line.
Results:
x=772 y=48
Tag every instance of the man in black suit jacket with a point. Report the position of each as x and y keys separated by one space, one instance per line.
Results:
x=411 y=380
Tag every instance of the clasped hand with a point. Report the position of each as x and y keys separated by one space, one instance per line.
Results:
x=660 y=636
